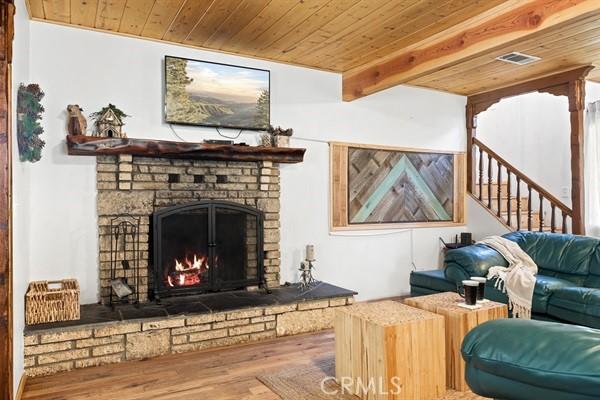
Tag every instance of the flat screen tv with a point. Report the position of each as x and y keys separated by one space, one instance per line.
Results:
x=217 y=95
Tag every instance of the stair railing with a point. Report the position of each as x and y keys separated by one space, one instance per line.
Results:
x=500 y=203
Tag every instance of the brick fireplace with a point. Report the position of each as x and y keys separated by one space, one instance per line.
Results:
x=149 y=181
x=143 y=186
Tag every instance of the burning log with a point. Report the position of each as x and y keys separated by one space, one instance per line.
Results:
x=189 y=272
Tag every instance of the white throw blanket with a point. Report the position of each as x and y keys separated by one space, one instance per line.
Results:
x=518 y=279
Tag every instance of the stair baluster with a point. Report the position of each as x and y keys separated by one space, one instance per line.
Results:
x=529 y=216
x=564 y=222
x=489 y=181
x=541 y=221
x=508 y=207
x=518 y=203
x=553 y=218
x=499 y=184
x=480 y=173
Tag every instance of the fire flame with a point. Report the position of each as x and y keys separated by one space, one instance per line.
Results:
x=188 y=272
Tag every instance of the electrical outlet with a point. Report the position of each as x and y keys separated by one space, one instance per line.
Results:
x=565 y=192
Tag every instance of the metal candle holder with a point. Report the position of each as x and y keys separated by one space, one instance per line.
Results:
x=306 y=276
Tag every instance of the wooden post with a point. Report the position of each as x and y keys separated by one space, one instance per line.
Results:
x=471 y=150
x=576 y=109
x=7 y=10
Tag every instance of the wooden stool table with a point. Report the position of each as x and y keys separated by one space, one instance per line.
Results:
x=388 y=350
x=459 y=321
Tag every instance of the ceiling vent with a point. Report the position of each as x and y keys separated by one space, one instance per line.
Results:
x=518 y=58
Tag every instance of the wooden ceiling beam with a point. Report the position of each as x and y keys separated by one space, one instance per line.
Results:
x=469 y=40
x=560 y=49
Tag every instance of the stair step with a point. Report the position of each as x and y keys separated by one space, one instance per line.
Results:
x=558 y=229
x=535 y=219
x=503 y=191
x=504 y=203
x=494 y=185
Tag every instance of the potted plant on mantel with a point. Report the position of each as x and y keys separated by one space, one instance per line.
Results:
x=277 y=137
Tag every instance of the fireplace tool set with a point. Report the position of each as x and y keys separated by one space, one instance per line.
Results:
x=124 y=259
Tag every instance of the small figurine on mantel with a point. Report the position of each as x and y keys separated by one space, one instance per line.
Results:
x=109 y=122
x=77 y=123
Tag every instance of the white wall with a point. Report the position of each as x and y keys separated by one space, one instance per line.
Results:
x=92 y=69
x=481 y=222
x=592 y=92
x=21 y=198
x=532 y=132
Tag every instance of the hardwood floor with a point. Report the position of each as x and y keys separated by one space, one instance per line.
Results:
x=221 y=374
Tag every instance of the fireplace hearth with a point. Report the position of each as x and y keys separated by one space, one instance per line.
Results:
x=206 y=246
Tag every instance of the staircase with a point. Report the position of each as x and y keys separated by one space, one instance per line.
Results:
x=513 y=198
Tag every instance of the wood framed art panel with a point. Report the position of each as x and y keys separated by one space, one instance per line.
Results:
x=385 y=187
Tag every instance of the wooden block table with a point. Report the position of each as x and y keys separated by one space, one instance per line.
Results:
x=459 y=321
x=397 y=349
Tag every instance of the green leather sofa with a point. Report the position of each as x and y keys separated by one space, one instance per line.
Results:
x=568 y=280
x=515 y=359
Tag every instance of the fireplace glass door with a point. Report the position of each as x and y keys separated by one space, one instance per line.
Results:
x=206 y=246
x=236 y=234
x=185 y=249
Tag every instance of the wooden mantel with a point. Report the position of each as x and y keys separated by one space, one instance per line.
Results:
x=95 y=146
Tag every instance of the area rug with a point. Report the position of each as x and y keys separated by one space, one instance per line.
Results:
x=303 y=382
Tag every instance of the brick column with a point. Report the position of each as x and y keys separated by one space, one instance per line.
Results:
x=269 y=185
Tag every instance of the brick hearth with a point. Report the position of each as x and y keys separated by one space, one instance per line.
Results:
x=140 y=185
x=49 y=350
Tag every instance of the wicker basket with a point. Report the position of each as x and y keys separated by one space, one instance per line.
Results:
x=52 y=301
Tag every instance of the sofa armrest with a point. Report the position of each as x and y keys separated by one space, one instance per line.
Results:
x=468 y=261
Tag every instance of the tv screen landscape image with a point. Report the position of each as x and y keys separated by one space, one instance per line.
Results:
x=217 y=95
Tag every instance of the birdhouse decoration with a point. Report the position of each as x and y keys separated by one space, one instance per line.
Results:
x=109 y=125
x=109 y=122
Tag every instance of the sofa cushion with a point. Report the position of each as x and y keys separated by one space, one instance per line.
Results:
x=570 y=257
x=576 y=304
x=559 y=357
x=593 y=279
x=470 y=261
x=431 y=281
x=544 y=287
x=496 y=387
x=559 y=255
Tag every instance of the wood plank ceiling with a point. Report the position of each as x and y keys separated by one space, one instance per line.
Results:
x=333 y=35
x=572 y=44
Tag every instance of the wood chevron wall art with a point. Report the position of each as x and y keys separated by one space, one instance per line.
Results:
x=378 y=187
